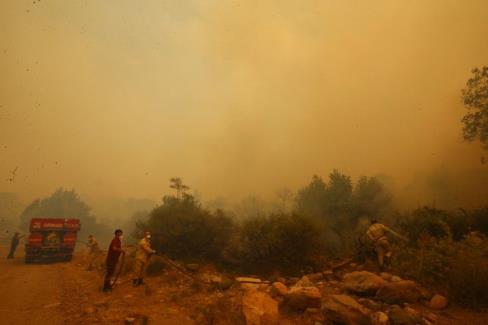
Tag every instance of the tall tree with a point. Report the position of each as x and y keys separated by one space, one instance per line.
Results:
x=176 y=183
x=64 y=204
x=475 y=98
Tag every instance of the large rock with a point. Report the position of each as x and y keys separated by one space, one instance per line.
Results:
x=379 y=318
x=399 y=292
x=301 y=298
x=398 y=316
x=363 y=282
x=343 y=309
x=304 y=282
x=278 y=289
x=259 y=308
x=438 y=302
x=370 y=304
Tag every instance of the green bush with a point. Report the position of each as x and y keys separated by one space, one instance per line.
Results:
x=182 y=229
x=426 y=220
x=279 y=242
x=467 y=275
x=458 y=267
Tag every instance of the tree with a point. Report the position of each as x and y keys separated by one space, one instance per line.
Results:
x=475 y=98
x=339 y=191
x=177 y=184
x=64 y=204
x=370 y=197
x=310 y=199
x=183 y=229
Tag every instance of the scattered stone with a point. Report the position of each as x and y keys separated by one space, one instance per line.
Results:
x=438 y=302
x=425 y=321
x=300 y=298
x=291 y=281
x=411 y=311
x=399 y=292
x=379 y=318
x=370 y=304
x=259 y=308
x=396 y=278
x=431 y=317
x=363 y=282
x=278 y=289
x=314 y=277
x=53 y=305
x=248 y=280
x=250 y=286
x=225 y=284
x=328 y=274
x=128 y=296
x=343 y=309
x=398 y=316
x=386 y=276
x=304 y=282
x=130 y=320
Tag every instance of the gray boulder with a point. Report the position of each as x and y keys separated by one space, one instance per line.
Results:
x=399 y=292
x=343 y=309
x=363 y=282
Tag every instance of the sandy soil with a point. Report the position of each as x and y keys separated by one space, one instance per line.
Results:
x=65 y=293
x=27 y=292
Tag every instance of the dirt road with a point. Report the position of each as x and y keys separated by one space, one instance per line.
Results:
x=28 y=293
x=65 y=293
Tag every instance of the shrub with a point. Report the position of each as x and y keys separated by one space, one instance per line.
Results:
x=426 y=220
x=458 y=267
x=182 y=229
x=468 y=273
x=279 y=242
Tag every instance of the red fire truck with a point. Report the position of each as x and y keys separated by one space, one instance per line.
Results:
x=51 y=239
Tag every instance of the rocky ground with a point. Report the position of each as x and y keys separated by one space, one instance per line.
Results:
x=350 y=295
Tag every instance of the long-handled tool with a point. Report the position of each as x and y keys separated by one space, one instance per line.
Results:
x=173 y=264
x=117 y=273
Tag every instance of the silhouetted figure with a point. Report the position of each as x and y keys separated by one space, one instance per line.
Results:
x=14 y=243
x=93 y=251
x=114 y=251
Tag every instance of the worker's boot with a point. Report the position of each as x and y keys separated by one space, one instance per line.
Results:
x=107 y=287
x=141 y=281
x=135 y=282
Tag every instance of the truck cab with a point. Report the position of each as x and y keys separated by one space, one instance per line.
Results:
x=51 y=239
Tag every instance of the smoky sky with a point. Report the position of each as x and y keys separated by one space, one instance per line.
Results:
x=113 y=98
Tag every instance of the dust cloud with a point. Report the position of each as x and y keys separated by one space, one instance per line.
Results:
x=113 y=98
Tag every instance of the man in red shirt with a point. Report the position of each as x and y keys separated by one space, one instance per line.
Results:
x=114 y=251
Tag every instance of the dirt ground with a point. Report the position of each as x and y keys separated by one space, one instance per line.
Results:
x=66 y=293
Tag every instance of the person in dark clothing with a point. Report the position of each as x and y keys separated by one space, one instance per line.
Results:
x=13 y=244
x=114 y=251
